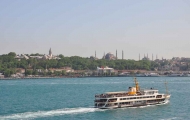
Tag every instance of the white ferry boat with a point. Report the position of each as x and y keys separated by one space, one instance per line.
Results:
x=135 y=97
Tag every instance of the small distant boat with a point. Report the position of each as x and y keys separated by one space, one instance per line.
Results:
x=134 y=97
x=152 y=75
x=176 y=75
x=148 y=75
x=186 y=75
x=124 y=74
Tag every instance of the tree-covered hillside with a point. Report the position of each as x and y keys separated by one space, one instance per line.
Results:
x=8 y=63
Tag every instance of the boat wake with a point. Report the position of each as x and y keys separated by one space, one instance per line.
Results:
x=40 y=114
x=58 y=112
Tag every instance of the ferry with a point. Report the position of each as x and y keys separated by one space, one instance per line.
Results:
x=134 y=97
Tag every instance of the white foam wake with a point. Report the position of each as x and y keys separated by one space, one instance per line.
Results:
x=58 y=112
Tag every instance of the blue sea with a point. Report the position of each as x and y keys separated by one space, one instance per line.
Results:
x=73 y=99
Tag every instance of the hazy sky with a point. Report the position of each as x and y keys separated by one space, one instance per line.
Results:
x=81 y=27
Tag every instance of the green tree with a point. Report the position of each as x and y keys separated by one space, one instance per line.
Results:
x=7 y=73
x=64 y=72
x=12 y=54
x=28 y=72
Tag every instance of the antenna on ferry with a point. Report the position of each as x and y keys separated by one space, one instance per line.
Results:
x=166 y=87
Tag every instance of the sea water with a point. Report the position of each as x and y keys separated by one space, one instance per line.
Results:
x=73 y=99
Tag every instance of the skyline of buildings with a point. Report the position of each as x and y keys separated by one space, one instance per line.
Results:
x=44 y=57
x=108 y=56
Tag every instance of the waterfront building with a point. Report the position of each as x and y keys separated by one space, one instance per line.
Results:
x=1 y=75
x=66 y=69
x=104 y=70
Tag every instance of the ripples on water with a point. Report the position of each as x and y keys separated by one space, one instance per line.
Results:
x=72 y=98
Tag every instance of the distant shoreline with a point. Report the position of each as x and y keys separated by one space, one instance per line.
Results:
x=81 y=77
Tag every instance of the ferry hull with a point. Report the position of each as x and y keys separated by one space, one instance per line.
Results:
x=131 y=106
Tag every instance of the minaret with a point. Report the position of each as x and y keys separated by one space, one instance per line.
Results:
x=50 y=53
x=95 y=54
x=122 y=55
x=144 y=55
x=152 y=57
x=139 y=57
x=156 y=56
x=147 y=55
x=104 y=56
x=116 y=54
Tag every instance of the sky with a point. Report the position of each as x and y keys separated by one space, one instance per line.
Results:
x=81 y=27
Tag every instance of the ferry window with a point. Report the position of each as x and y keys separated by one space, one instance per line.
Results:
x=124 y=98
x=121 y=98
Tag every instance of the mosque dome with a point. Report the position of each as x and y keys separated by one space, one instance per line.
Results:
x=110 y=56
